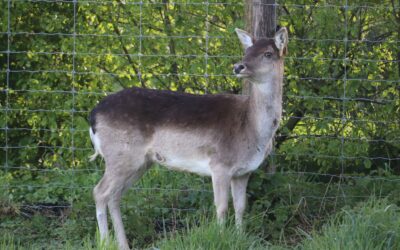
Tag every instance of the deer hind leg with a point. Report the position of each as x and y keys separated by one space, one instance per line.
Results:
x=109 y=192
x=220 y=183
x=116 y=180
x=239 y=185
x=101 y=199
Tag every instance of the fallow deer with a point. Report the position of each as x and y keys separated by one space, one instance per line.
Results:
x=222 y=136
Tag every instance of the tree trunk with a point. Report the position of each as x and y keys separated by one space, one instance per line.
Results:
x=261 y=18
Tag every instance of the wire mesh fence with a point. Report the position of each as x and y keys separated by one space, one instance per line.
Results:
x=58 y=58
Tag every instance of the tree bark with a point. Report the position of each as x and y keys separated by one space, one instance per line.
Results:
x=261 y=18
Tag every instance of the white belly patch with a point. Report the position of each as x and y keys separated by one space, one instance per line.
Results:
x=197 y=166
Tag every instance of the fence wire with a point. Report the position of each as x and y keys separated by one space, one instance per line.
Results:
x=341 y=95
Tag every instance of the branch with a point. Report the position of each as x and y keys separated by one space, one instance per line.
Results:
x=288 y=13
x=163 y=83
x=129 y=58
x=290 y=125
x=103 y=67
x=126 y=52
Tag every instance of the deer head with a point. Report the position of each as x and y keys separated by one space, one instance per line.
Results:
x=261 y=56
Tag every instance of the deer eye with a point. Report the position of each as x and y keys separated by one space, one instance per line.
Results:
x=268 y=54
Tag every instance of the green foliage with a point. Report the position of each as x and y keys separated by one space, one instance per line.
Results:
x=339 y=105
x=334 y=108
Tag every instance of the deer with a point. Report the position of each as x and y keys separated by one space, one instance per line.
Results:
x=225 y=136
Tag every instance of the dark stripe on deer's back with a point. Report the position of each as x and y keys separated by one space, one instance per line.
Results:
x=148 y=109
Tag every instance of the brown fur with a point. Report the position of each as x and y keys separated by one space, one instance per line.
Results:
x=148 y=110
x=260 y=47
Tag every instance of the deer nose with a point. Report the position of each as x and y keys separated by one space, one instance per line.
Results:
x=237 y=68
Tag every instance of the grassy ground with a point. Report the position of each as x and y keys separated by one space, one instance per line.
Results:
x=174 y=210
x=210 y=235
x=371 y=225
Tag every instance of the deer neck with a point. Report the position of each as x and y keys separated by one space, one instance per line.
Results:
x=266 y=104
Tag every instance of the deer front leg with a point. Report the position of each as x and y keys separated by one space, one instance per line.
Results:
x=220 y=183
x=239 y=185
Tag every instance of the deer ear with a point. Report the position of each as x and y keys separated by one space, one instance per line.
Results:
x=281 y=40
x=245 y=38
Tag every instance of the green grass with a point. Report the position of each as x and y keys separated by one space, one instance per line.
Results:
x=277 y=212
x=8 y=242
x=210 y=235
x=372 y=225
